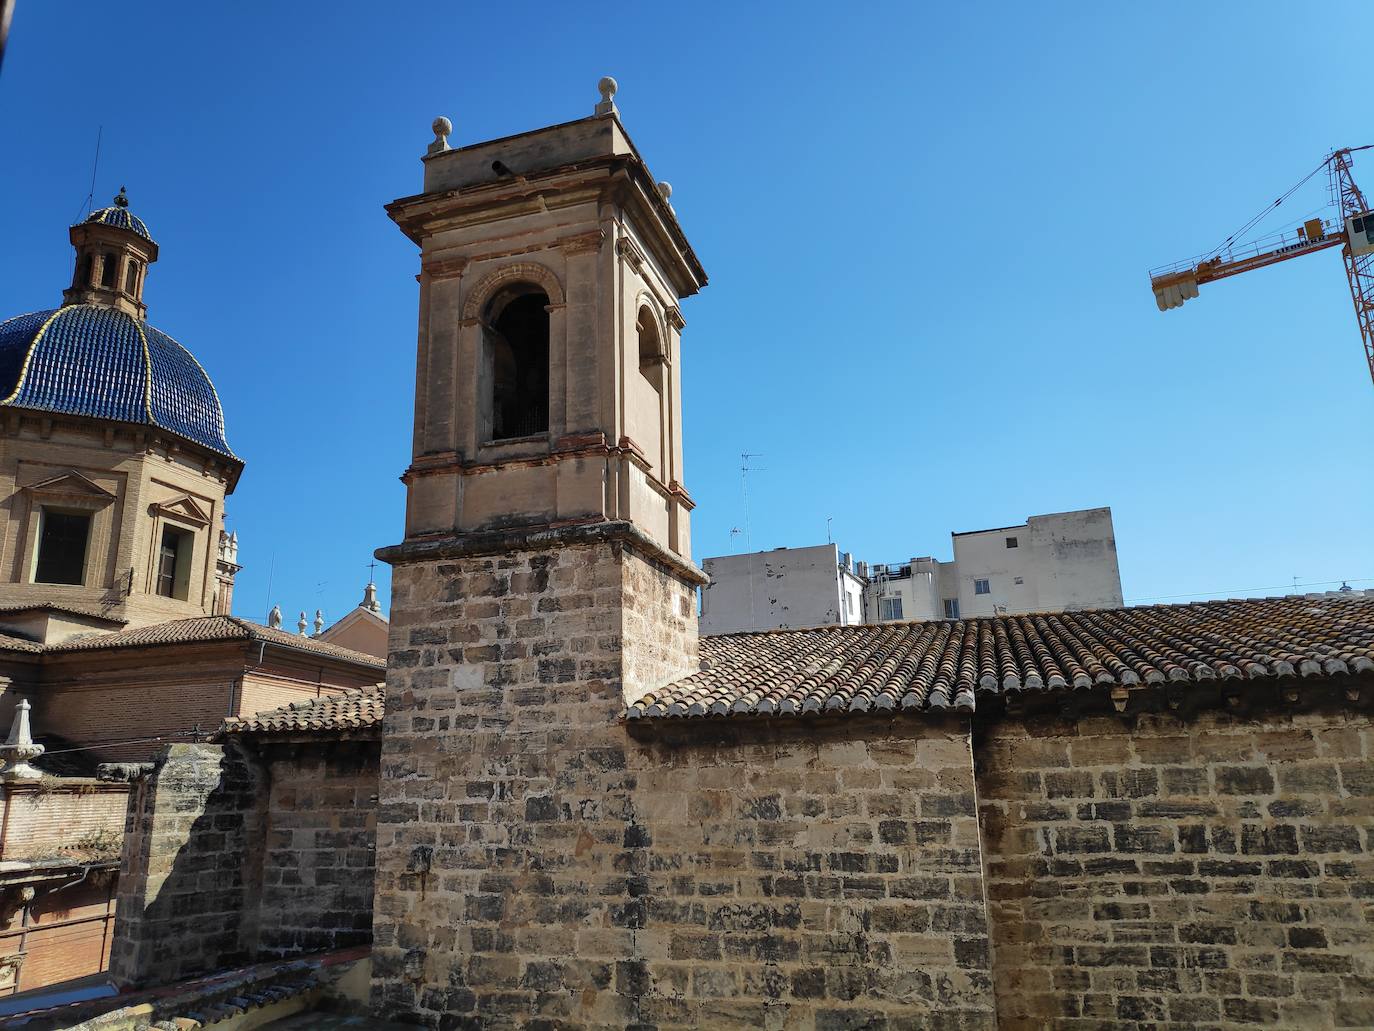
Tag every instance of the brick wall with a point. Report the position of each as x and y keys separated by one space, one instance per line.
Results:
x=537 y=861
x=43 y=817
x=1211 y=873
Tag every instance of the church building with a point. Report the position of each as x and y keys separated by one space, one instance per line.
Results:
x=570 y=811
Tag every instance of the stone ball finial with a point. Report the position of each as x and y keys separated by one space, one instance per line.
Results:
x=442 y=127
x=665 y=190
x=121 y=199
x=608 y=87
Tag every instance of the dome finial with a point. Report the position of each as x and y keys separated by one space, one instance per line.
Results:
x=121 y=199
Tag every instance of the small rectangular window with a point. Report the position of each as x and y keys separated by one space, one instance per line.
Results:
x=1011 y=542
x=849 y=603
x=981 y=587
x=889 y=608
x=174 y=564
x=62 y=538
x=1019 y=580
x=951 y=608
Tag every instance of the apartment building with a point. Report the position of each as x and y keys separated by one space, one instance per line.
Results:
x=1050 y=563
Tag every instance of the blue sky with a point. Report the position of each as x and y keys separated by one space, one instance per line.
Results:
x=927 y=230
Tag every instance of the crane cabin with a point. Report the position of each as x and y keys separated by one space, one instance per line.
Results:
x=1359 y=230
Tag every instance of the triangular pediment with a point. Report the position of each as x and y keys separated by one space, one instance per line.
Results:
x=71 y=486
x=183 y=507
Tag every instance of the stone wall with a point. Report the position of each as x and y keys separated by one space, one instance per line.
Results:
x=317 y=877
x=246 y=851
x=537 y=861
x=1216 y=872
x=185 y=889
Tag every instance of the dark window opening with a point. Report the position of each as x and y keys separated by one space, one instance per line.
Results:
x=981 y=587
x=951 y=608
x=83 y=271
x=131 y=278
x=107 y=274
x=174 y=564
x=650 y=350
x=889 y=608
x=1011 y=542
x=62 y=541
x=520 y=367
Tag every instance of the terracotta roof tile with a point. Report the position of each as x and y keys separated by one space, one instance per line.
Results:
x=72 y=608
x=209 y=628
x=10 y=643
x=352 y=710
x=944 y=665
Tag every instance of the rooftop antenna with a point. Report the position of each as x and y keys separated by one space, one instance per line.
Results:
x=744 y=470
x=89 y=203
x=271 y=570
x=828 y=538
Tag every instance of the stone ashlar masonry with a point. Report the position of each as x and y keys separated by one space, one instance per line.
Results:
x=237 y=854
x=539 y=865
x=184 y=887
x=1160 y=873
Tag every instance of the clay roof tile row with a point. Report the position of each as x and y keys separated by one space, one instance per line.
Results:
x=352 y=710
x=945 y=665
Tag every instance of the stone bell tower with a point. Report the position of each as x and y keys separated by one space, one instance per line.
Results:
x=545 y=576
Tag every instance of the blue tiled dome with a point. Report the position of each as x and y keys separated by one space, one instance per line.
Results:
x=122 y=218
x=104 y=363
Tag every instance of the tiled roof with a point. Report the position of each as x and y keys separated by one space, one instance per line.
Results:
x=86 y=359
x=352 y=710
x=944 y=665
x=209 y=628
x=70 y=608
x=121 y=217
x=10 y=643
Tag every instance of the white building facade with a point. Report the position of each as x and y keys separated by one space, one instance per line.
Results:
x=781 y=589
x=1050 y=563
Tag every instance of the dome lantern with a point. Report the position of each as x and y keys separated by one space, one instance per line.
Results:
x=113 y=252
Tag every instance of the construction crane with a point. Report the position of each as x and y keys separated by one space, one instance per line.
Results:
x=1350 y=226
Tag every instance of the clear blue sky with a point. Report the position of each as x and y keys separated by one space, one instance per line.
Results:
x=927 y=229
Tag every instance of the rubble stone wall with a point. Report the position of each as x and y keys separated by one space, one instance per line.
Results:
x=1216 y=872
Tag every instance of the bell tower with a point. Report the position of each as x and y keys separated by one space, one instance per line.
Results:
x=548 y=393
x=545 y=577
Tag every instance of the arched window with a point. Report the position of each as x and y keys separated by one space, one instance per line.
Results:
x=131 y=278
x=83 y=271
x=650 y=349
x=646 y=412
x=518 y=339
x=107 y=274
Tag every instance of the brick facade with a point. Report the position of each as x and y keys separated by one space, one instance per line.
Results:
x=1212 y=872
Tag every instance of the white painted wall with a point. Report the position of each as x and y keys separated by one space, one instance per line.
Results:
x=1064 y=561
x=769 y=590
